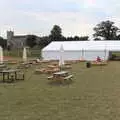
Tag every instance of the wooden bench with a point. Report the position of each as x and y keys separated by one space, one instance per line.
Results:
x=66 y=67
x=68 y=77
x=98 y=63
x=20 y=76
x=50 y=77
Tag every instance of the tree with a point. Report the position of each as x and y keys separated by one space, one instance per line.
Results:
x=8 y=47
x=106 y=29
x=31 y=40
x=77 y=38
x=56 y=33
x=3 y=42
x=84 y=38
x=118 y=37
x=44 y=41
x=69 y=39
x=97 y=39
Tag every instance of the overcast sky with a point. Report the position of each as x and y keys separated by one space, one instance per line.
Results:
x=75 y=17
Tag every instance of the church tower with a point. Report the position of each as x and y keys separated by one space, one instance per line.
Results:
x=10 y=35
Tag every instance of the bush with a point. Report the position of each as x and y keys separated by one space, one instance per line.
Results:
x=113 y=57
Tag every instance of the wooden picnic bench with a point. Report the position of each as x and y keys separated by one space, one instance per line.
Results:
x=64 y=67
x=24 y=65
x=2 y=67
x=61 y=76
x=68 y=77
x=38 y=70
x=102 y=63
x=50 y=77
x=12 y=75
x=47 y=70
x=12 y=62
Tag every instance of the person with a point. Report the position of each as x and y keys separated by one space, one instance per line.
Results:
x=98 y=59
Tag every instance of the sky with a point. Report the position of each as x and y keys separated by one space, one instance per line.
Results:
x=75 y=17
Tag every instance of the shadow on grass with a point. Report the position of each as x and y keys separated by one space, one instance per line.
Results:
x=59 y=83
x=10 y=81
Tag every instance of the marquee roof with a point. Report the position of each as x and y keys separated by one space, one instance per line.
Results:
x=109 y=45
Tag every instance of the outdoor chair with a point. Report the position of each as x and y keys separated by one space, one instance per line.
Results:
x=42 y=70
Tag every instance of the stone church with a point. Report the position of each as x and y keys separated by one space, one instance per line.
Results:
x=16 y=41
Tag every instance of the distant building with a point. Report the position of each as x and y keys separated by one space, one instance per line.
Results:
x=15 y=41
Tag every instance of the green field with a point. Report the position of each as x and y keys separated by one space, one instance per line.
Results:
x=93 y=95
x=19 y=53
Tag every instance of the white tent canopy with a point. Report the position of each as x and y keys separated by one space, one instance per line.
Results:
x=74 y=50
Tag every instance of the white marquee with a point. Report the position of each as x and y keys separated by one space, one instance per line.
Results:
x=74 y=50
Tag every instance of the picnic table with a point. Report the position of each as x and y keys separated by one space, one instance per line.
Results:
x=2 y=66
x=12 y=62
x=11 y=74
x=24 y=65
x=60 y=76
x=64 y=67
x=51 y=66
x=102 y=63
x=61 y=73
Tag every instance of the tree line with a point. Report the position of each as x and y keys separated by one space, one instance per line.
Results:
x=55 y=35
x=105 y=30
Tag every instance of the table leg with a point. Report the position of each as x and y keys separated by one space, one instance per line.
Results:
x=62 y=80
x=15 y=75
x=8 y=76
x=12 y=78
x=3 y=77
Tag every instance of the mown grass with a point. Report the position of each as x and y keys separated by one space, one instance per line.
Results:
x=93 y=95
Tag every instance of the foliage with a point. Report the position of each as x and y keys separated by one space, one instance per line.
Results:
x=31 y=40
x=84 y=38
x=113 y=57
x=69 y=39
x=118 y=37
x=44 y=41
x=97 y=39
x=77 y=38
x=3 y=42
x=107 y=30
x=56 y=33
x=8 y=47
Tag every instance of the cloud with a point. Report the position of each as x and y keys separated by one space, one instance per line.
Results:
x=76 y=17
x=73 y=23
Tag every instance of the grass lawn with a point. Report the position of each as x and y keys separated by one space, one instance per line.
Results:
x=94 y=95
